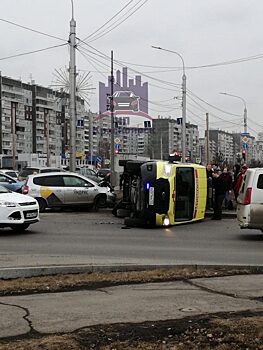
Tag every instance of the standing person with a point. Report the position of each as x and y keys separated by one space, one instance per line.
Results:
x=236 y=171
x=220 y=186
x=209 y=176
x=228 y=180
x=238 y=180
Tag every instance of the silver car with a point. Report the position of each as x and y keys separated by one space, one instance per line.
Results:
x=67 y=189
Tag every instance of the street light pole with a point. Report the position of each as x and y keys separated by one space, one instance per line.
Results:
x=245 y=108
x=72 y=90
x=112 y=153
x=183 y=125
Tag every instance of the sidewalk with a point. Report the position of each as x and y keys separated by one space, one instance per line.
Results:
x=226 y=214
x=69 y=311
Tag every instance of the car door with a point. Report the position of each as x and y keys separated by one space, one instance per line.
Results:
x=256 y=206
x=51 y=188
x=8 y=183
x=78 y=191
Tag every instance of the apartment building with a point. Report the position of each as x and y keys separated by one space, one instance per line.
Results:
x=221 y=146
x=166 y=139
x=35 y=120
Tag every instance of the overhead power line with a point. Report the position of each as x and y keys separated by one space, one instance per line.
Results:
x=32 y=30
x=93 y=61
x=105 y=65
x=212 y=106
x=216 y=64
x=103 y=25
x=129 y=13
x=105 y=57
x=31 y=52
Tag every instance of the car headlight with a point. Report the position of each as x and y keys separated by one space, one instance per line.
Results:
x=8 y=204
x=166 y=221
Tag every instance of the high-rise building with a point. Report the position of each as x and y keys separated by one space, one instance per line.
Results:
x=166 y=139
x=35 y=120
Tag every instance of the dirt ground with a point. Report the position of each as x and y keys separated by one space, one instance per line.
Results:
x=228 y=331
x=220 y=332
x=71 y=282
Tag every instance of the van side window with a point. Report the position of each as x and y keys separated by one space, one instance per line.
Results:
x=74 y=181
x=260 y=182
x=52 y=181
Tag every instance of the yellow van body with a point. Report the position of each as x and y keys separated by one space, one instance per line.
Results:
x=169 y=171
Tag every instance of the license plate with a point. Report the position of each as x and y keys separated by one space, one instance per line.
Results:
x=31 y=215
x=151 y=196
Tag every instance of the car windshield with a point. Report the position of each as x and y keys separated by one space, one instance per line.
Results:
x=29 y=171
x=11 y=173
x=4 y=190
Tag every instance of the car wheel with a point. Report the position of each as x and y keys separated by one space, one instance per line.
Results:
x=42 y=204
x=100 y=202
x=19 y=227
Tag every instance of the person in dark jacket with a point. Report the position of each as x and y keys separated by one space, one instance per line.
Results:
x=209 y=176
x=220 y=187
x=229 y=181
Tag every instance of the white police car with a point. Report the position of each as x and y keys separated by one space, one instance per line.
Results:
x=17 y=211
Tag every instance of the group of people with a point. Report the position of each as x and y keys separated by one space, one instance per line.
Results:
x=222 y=187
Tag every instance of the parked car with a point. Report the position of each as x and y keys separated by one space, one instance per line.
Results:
x=104 y=173
x=90 y=174
x=10 y=172
x=250 y=200
x=17 y=211
x=36 y=170
x=10 y=183
x=67 y=189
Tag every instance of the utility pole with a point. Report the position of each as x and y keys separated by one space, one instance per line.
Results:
x=207 y=140
x=91 y=136
x=183 y=125
x=1 y=115
x=245 y=120
x=72 y=91
x=184 y=118
x=13 y=123
x=112 y=154
x=46 y=121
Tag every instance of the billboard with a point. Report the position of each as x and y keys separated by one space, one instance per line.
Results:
x=130 y=99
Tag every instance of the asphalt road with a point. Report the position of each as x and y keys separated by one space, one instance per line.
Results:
x=99 y=238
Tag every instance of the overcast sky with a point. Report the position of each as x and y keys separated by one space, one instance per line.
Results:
x=203 y=32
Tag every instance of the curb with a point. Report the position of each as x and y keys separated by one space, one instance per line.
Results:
x=225 y=214
x=27 y=272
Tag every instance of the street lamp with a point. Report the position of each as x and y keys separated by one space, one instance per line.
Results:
x=245 y=108
x=183 y=136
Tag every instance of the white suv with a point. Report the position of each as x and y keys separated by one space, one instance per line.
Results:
x=67 y=189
